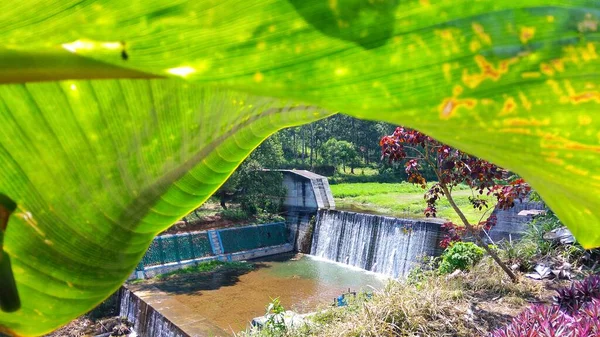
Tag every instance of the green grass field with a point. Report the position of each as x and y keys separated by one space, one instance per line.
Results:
x=400 y=200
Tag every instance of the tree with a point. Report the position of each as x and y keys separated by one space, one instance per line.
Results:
x=252 y=187
x=340 y=152
x=453 y=167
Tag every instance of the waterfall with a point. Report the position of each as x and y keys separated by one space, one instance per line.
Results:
x=385 y=245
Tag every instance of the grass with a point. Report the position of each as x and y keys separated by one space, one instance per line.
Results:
x=400 y=200
x=468 y=304
x=203 y=267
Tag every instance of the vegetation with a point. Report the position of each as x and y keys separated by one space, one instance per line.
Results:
x=480 y=300
x=461 y=256
x=466 y=305
x=337 y=140
x=255 y=190
x=144 y=112
x=453 y=167
x=275 y=324
x=575 y=313
x=400 y=200
x=204 y=267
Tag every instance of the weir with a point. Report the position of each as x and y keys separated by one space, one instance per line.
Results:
x=380 y=244
x=384 y=245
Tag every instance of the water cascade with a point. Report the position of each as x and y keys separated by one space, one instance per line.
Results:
x=385 y=245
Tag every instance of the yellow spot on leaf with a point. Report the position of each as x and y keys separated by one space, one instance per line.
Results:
x=524 y=101
x=488 y=71
x=333 y=4
x=584 y=120
x=480 y=32
x=576 y=170
x=526 y=122
x=526 y=34
x=457 y=90
x=553 y=141
x=589 y=53
x=449 y=106
x=520 y=131
x=550 y=18
x=447 y=69
x=261 y=45
x=509 y=107
x=531 y=74
x=449 y=43
x=558 y=65
x=341 y=71
x=587 y=96
x=474 y=46
x=258 y=77
x=555 y=87
x=546 y=69
x=424 y=2
x=555 y=161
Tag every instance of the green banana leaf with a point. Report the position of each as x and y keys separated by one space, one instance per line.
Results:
x=97 y=166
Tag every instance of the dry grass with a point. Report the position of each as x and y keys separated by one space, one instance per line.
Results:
x=468 y=304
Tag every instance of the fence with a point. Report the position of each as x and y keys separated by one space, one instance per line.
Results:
x=251 y=237
x=189 y=246
x=176 y=248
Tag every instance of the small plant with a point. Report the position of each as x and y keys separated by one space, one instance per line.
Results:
x=551 y=321
x=460 y=255
x=275 y=324
x=575 y=313
x=234 y=214
x=207 y=267
x=580 y=293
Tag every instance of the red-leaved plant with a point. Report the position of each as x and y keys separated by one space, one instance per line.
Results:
x=453 y=167
x=575 y=313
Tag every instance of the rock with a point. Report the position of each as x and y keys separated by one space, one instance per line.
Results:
x=541 y=272
x=562 y=235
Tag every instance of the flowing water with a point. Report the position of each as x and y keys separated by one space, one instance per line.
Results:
x=385 y=245
x=231 y=298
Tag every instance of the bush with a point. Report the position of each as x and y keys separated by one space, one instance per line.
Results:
x=572 y=299
x=234 y=214
x=575 y=313
x=460 y=255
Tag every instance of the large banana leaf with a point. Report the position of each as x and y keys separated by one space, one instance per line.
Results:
x=98 y=167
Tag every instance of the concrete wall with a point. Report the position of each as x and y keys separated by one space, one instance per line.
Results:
x=156 y=314
x=218 y=253
x=152 y=271
x=511 y=225
x=307 y=192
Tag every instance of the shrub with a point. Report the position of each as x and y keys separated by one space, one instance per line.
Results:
x=573 y=298
x=550 y=321
x=275 y=324
x=460 y=255
x=575 y=313
x=234 y=214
